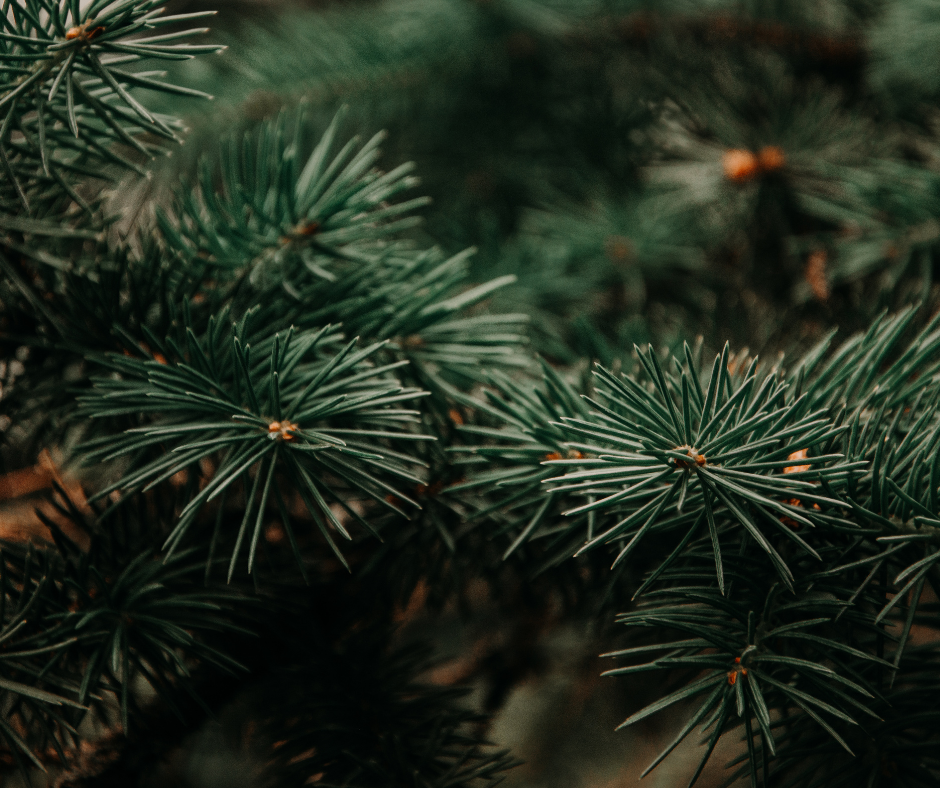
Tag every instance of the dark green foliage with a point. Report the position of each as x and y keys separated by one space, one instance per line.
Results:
x=219 y=403
x=766 y=658
x=263 y=412
x=420 y=304
x=898 y=750
x=676 y=442
x=322 y=242
x=271 y=358
x=358 y=717
x=630 y=249
x=510 y=475
x=67 y=94
x=617 y=117
x=86 y=619
x=278 y=216
x=786 y=485
x=902 y=65
x=92 y=309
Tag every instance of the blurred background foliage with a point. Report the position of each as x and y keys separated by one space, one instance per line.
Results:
x=752 y=171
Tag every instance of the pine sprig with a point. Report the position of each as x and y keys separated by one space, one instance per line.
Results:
x=767 y=657
x=315 y=241
x=266 y=412
x=67 y=97
x=901 y=748
x=894 y=418
x=507 y=472
x=677 y=453
x=83 y=621
x=264 y=209
x=795 y=516
x=424 y=307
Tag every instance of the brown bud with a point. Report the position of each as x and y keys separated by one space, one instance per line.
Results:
x=815 y=274
x=282 y=430
x=740 y=165
x=771 y=158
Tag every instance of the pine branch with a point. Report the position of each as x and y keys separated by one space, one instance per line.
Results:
x=773 y=501
x=67 y=97
x=266 y=412
x=284 y=218
x=80 y=626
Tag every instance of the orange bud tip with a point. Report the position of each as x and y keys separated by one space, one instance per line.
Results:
x=740 y=165
x=771 y=158
x=802 y=454
x=695 y=459
x=283 y=430
x=82 y=31
x=815 y=274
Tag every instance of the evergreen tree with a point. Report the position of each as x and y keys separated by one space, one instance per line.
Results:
x=278 y=416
